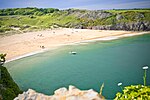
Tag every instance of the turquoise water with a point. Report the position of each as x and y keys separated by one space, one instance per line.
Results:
x=107 y=62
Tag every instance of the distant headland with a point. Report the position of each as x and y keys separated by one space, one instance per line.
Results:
x=20 y=20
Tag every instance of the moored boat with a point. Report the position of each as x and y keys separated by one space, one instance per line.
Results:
x=73 y=52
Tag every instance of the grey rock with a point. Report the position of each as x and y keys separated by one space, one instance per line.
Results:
x=137 y=26
x=92 y=15
x=140 y=16
x=119 y=17
x=95 y=15
x=89 y=14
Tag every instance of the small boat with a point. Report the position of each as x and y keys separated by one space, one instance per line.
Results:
x=72 y=52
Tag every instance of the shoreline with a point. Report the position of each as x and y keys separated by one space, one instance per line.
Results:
x=60 y=36
x=85 y=41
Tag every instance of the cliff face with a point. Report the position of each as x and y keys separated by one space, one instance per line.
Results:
x=61 y=94
x=134 y=20
x=134 y=26
x=112 y=20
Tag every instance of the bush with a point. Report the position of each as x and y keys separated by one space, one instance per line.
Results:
x=134 y=92
x=8 y=88
x=5 y=29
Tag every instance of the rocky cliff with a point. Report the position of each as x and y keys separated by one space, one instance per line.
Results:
x=133 y=26
x=108 y=20
x=61 y=94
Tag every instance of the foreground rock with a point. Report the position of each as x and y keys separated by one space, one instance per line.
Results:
x=61 y=94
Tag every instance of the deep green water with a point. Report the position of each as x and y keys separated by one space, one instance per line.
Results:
x=97 y=62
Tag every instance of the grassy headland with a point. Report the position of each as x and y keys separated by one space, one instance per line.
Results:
x=18 y=20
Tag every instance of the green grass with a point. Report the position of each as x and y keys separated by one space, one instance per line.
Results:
x=64 y=19
x=122 y=11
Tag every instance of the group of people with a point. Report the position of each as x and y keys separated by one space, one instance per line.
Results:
x=42 y=47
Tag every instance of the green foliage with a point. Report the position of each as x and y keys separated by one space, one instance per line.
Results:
x=101 y=89
x=2 y=58
x=27 y=11
x=43 y=18
x=125 y=10
x=4 y=29
x=8 y=88
x=134 y=92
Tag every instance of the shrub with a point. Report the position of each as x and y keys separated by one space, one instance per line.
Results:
x=8 y=88
x=134 y=92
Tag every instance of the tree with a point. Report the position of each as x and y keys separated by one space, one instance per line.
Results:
x=2 y=58
x=50 y=10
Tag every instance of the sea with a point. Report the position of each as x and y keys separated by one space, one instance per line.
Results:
x=96 y=62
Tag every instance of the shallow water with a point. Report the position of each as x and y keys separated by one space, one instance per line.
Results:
x=107 y=62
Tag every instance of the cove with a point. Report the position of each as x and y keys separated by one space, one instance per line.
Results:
x=108 y=62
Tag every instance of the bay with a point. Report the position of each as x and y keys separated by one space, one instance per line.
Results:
x=108 y=62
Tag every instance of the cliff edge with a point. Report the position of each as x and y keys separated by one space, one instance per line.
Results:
x=72 y=93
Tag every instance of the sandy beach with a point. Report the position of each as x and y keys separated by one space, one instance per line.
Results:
x=20 y=45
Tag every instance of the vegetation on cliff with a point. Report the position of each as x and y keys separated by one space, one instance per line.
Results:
x=19 y=20
x=8 y=88
x=135 y=92
x=27 y=11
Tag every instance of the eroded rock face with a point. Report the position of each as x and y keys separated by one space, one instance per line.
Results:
x=72 y=93
x=136 y=26
x=89 y=14
x=95 y=15
x=119 y=17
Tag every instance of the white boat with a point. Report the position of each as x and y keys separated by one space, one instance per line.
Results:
x=72 y=52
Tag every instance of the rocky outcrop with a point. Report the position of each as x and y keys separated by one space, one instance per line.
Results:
x=99 y=19
x=61 y=94
x=95 y=15
x=119 y=17
x=136 y=26
x=89 y=14
x=140 y=16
